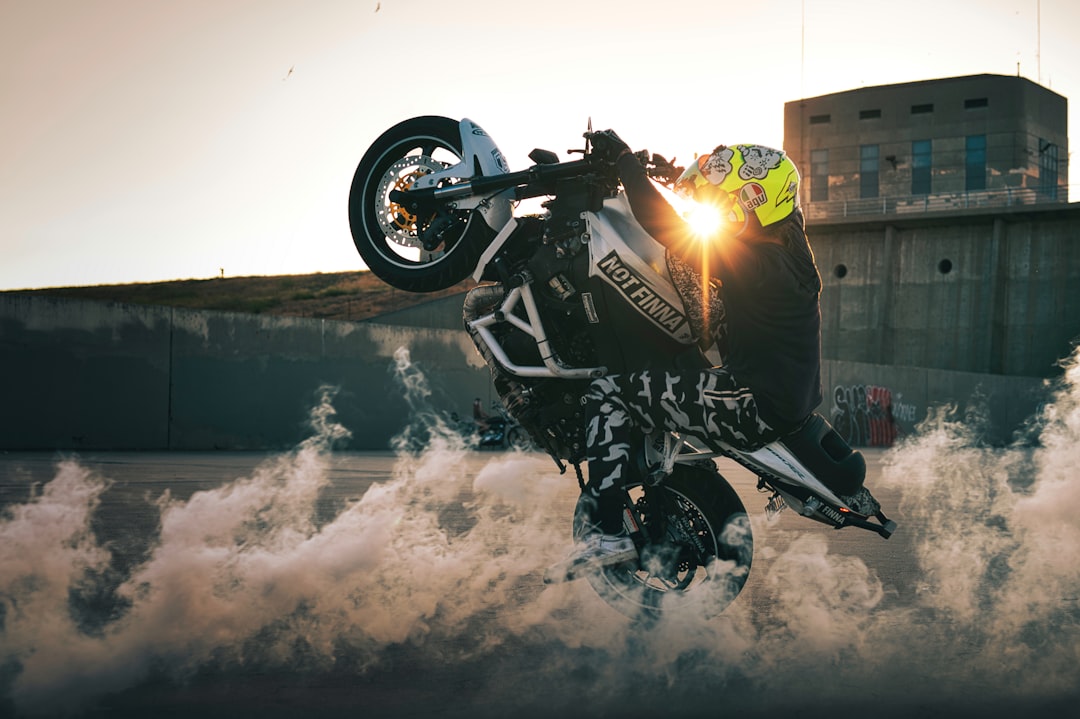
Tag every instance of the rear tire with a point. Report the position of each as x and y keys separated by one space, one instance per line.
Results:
x=702 y=567
x=389 y=239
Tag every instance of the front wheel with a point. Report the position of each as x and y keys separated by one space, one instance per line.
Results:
x=418 y=254
x=700 y=562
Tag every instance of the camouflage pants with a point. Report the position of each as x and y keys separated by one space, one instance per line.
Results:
x=708 y=403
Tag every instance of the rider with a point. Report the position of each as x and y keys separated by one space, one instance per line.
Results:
x=480 y=417
x=770 y=381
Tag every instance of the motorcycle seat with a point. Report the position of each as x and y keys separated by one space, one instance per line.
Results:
x=822 y=450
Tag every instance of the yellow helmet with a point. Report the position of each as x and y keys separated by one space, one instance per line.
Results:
x=741 y=179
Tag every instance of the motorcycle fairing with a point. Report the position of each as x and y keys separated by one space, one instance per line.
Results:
x=480 y=156
x=631 y=262
x=793 y=485
x=776 y=459
x=792 y=467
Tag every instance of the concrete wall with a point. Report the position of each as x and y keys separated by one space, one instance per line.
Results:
x=444 y=313
x=986 y=292
x=78 y=375
x=875 y=405
x=91 y=375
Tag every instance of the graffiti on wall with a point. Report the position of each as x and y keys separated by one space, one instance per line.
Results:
x=867 y=415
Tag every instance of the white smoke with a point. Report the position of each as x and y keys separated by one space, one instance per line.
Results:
x=47 y=548
x=999 y=534
x=245 y=573
x=445 y=557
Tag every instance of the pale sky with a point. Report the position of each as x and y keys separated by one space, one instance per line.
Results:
x=147 y=140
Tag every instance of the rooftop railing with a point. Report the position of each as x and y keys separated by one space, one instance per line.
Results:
x=936 y=202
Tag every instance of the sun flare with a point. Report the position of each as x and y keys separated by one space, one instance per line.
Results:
x=704 y=220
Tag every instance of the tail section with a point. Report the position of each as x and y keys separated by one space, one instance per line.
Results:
x=816 y=473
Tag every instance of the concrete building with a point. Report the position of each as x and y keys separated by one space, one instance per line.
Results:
x=947 y=144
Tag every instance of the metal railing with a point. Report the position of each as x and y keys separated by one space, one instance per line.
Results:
x=935 y=202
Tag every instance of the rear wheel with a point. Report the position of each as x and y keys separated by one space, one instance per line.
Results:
x=418 y=254
x=700 y=559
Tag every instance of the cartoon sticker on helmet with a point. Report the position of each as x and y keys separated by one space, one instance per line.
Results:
x=718 y=165
x=752 y=195
x=758 y=160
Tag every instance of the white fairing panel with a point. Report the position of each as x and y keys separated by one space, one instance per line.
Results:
x=778 y=459
x=625 y=256
x=480 y=148
x=478 y=151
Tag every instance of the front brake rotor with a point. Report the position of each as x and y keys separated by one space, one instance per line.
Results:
x=404 y=220
x=398 y=224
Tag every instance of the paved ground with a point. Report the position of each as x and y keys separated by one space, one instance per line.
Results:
x=371 y=584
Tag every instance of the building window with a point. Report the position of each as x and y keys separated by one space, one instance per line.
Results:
x=819 y=175
x=820 y=119
x=868 y=171
x=1048 y=169
x=975 y=162
x=869 y=114
x=976 y=103
x=922 y=109
x=920 y=167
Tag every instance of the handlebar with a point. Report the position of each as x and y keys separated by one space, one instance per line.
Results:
x=535 y=181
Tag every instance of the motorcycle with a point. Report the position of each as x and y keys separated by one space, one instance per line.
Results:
x=501 y=431
x=572 y=293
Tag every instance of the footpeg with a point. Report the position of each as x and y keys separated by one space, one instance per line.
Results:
x=887 y=526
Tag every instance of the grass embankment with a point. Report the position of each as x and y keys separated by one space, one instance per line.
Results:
x=337 y=296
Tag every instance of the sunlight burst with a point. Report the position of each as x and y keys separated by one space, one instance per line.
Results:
x=704 y=220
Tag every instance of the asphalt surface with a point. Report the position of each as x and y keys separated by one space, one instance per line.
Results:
x=311 y=583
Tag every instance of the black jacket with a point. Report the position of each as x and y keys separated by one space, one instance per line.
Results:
x=771 y=294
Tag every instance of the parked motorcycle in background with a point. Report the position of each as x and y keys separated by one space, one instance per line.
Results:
x=570 y=294
x=502 y=431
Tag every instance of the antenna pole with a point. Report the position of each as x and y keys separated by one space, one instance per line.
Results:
x=1038 y=39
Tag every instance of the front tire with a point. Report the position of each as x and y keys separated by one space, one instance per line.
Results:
x=703 y=562
x=418 y=254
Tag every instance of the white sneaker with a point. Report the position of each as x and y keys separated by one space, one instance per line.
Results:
x=595 y=552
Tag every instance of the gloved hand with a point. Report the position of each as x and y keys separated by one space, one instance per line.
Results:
x=660 y=168
x=606 y=145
